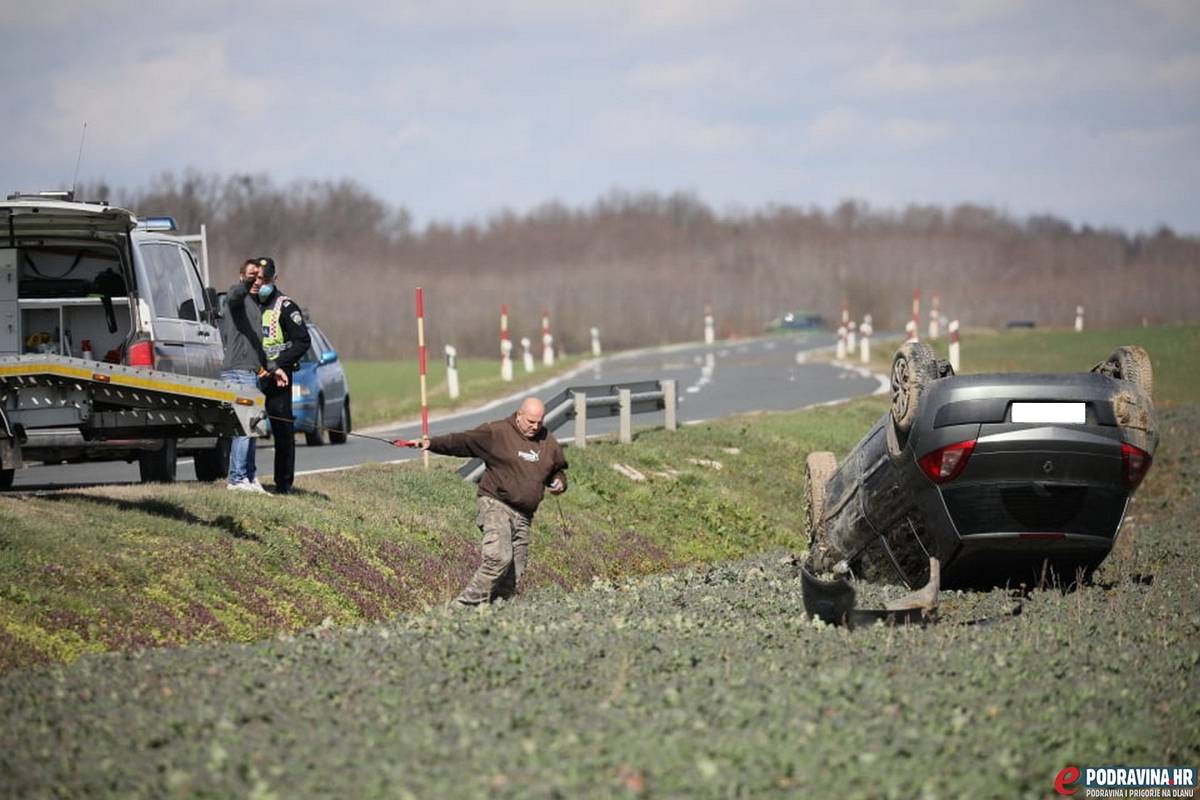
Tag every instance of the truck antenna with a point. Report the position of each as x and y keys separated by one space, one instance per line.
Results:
x=78 y=158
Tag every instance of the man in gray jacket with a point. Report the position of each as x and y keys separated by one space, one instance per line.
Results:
x=245 y=361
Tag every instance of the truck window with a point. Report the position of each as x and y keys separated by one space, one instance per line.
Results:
x=169 y=287
x=195 y=287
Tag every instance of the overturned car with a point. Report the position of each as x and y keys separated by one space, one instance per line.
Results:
x=995 y=479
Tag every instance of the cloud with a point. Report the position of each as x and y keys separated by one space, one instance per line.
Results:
x=897 y=72
x=149 y=99
x=833 y=127
x=915 y=132
x=650 y=129
x=697 y=72
x=1160 y=137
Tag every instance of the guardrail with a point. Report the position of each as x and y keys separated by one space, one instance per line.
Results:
x=579 y=403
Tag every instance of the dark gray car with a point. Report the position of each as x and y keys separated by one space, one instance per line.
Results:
x=1010 y=478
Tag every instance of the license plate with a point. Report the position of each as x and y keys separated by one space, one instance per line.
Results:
x=1064 y=413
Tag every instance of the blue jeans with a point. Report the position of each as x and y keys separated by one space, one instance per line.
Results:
x=241 y=448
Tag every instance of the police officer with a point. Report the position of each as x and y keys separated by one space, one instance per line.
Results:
x=285 y=340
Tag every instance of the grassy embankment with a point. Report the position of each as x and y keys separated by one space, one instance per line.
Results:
x=705 y=682
x=386 y=391
x=109 y=568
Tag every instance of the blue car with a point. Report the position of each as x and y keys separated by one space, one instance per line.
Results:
x=320 y=395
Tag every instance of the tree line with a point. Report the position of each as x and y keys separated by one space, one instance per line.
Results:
x=642 y=266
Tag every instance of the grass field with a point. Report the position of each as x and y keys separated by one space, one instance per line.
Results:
x=611 y=676
x=386 y=391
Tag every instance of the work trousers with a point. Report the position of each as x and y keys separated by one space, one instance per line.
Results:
x=283 y=431
x=505 y=547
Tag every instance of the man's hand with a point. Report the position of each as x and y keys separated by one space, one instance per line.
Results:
x=281 y=378
x=424 y=443
x=556 y=486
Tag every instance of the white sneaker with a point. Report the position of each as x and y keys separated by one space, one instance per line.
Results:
x=240 y=486
x=255 y=486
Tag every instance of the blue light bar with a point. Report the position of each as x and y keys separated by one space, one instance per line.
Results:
x=157 y=224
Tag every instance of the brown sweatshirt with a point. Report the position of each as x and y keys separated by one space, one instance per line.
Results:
x=518 y=469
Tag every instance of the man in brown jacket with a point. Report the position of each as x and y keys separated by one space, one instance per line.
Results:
x=523 y=460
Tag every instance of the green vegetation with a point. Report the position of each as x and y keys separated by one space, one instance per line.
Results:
x=386 y=391
x=611 y=675
x=704 y=682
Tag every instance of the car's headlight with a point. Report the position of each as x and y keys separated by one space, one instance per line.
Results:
x=300 y=391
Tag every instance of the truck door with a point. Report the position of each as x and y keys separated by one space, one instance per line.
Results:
x=172 y=308
x=205 y=351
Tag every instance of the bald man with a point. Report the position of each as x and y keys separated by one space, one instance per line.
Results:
x=523 y=461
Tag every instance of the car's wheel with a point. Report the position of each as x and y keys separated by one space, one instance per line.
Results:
x=316 y=437
x=6 y=478
x=1132 y=363
x=818 y=469
x=212 y=465
x=913 y=368
x=158 y=466
x=338 y=434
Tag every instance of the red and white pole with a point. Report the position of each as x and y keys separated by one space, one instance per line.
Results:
x=934 y=318
x=710 y=335
x=526 y=354
x=506 y=370
x=954 y=353
x=916 y=317
x=547 y=340
x=866 y=330
x=851 y=338
x=421 y=366
x=841 y=342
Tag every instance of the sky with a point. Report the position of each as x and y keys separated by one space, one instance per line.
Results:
x=456 y=110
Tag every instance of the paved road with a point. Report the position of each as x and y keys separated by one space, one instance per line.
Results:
x=770 y=374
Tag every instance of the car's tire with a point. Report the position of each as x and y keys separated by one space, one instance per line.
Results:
x=213 y=465
x=914 y=367
x=316 y=437
x=818 y=469
x=338 y=434
x=158 y=466
x=1132 y=363
x=6 y=478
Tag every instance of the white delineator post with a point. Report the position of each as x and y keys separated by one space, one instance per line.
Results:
x=625 y=421
x=864 y=350
x=547 y=341
x=710 y=335
x=526 y=354
x=954 y=352
x=596 y=342
x=845 y=313
x=841 y=343
x=670 y=402
x=914 y=335
x=934 y=317
x=506 y=370
x=452 y=371
x=1078 y=319
x=910 y=331
x=851 y=337
x=580 y=419
x=421 y=365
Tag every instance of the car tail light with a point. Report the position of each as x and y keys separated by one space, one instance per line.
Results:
x=1135 y=463
x=945 y=463
x=141 y=354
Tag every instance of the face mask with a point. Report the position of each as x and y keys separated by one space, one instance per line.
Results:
x=265 y=291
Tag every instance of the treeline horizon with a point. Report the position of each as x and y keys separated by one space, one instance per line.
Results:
x=641 y=266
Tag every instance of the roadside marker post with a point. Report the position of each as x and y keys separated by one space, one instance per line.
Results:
x=452 y=371
x=506 y=370
x=954 y=352
x=851 y=338
x=421 y=366
x=841 y=342
x=1078 y=319
x=709 y=331
x=864 y=349
x=595 y=342
x=910 y=332
x=526 y=354
x=547 y=341
x=916 y=316
x=935 y=317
